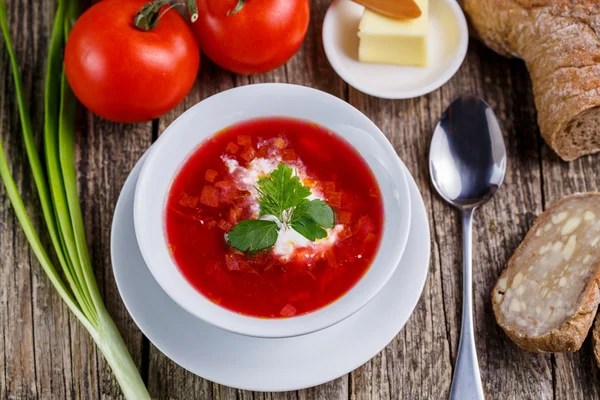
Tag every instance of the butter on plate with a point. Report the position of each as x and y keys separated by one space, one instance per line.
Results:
x=389 y=41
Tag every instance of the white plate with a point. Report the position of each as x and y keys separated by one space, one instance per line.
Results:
x=447 y=46
x=266 y=364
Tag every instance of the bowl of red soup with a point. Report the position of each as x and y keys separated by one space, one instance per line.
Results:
x=272 y=210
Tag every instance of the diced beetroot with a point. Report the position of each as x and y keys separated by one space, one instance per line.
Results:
x=299 y=296
x=329 y=187
x=335 y=199
x=262 y=152
x=269 y=265
x=279 y=143
x=311 y=183
x=245 y=267
x=211 y=224
x=248 y=154
x=224 y=184
x=209 y=196
x=228 y=190
x=231 y=262
x=232 y=148
x=226 y=226
x=185 y=200
x=327 y=278
x=365 y=223
x=369 y=238
x=331 y=258
x=350 y=202
x=288 y=155
x=365 y=226
x=210 y=175
x=288 y=311
x=244 y=140
x=234 y=214
x=344 y=217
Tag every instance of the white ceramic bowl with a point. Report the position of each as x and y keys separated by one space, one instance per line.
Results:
x=447 y=45
x=200 y=122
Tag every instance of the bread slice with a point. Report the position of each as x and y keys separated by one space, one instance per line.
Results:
x=596 y=339
x=548 y=294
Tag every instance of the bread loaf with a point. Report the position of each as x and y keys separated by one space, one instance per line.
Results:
x=596 y=339
x=559 y=42
x=546 y=297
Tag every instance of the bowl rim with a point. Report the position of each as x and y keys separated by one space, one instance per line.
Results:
x=236 y=322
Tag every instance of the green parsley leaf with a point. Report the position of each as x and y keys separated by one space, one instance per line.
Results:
x=317 y=210
x=281 y=191
x=308 y=228
x=253 y=235
x=285 y=197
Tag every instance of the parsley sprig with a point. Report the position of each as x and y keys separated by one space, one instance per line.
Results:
x=282 y=195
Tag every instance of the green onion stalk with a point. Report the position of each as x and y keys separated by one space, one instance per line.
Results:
x=57 y=189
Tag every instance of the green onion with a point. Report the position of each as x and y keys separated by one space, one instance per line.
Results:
x=60 y=202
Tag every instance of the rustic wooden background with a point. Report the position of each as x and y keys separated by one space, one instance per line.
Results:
x=46 y=354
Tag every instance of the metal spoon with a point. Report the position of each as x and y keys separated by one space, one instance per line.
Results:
x=467 y=162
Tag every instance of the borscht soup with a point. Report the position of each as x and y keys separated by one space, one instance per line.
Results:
x=274 y=218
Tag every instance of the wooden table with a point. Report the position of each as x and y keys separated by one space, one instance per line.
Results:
x=45 y=353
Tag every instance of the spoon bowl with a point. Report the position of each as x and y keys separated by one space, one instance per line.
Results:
x=467 y=157
x=467 y=162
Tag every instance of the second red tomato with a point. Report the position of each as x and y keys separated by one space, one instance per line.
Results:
x=258 y=38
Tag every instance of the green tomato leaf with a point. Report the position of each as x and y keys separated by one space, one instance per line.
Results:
x=308 y=228
x=253 y=235
x=318 y=211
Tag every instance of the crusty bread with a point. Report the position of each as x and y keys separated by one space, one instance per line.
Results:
x=546 y=297
x=596 y=339
x=559 y=42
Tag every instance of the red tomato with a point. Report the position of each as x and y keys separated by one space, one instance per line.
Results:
x=260 y=37
x=127 y=75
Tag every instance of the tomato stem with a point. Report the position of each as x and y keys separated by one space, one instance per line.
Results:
x=193 y=10
x=238 y=7
x=148 y=17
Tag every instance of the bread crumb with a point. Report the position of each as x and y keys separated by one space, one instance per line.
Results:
x=515 y=305
x=545 y=248
x=498 y=297
x=562 y=282
x=556 y=247
x=517 y=280
x=502 y=284
x=570 y=226
x=570 y=247
x=560 y=217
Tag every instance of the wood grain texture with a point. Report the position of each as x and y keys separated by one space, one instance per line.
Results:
x=46 y=354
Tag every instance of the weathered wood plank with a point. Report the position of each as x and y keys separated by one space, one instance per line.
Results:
x=417 y=362
x=106 y=153
x=36 y=353
x=498 y=228
x=577 y=375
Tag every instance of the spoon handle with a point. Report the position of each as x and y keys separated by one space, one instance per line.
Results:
x=466 y=382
